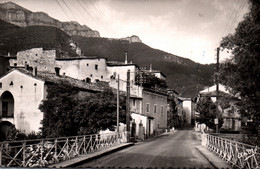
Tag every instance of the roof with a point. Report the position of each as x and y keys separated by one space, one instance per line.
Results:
x=53 y=78
x=155 y=71
x=79 y=58
x=213 y=88
x=115 y=63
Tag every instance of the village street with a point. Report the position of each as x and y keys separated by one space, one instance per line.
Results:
x=173 y=149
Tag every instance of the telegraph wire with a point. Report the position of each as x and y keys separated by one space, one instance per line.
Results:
x=229 y=18
x=237 y=16
x=63 y=10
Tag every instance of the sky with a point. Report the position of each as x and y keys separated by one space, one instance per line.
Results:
x=188 y=28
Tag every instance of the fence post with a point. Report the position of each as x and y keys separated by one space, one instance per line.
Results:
x=55 y=149
x=1 y=149
x=24 y=150
x=77 y=153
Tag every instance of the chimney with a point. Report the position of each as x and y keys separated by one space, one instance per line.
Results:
x=150 y=67
x=125 y=57
x=34 y=71
x=57 y=70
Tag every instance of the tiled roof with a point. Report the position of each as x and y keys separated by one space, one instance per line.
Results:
x=53 y=78
x=114 y=63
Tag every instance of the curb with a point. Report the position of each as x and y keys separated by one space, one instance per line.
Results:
x=216 y=162
x=206 y=157
x=74 y=162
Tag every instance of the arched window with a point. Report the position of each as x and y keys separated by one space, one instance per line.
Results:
x=7 y=102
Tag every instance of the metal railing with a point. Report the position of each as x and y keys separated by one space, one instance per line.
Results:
x=239 y=155
x=44 y=152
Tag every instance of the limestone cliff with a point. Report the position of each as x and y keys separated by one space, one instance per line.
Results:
x=22 y=17
x=132 y=39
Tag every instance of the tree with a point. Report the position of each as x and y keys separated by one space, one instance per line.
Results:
x=241 y=73
x=98 y=112
x=208 y=112
x=65 y=114
x=58 y=111
x=149 y=80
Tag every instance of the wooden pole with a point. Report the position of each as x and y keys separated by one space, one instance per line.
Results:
x=217 y=86
x=128 y=102
x=117 y=106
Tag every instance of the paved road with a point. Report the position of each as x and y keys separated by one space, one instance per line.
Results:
x=174 y=149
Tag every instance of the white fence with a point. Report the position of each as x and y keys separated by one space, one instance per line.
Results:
x=239 y=155
x=41 y=153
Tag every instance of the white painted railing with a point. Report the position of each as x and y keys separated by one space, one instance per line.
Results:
x=239 y=155
x=41 y=153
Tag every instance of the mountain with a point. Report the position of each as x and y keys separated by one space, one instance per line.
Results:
x=14 y=39
x=184 y=75
x=22 y=17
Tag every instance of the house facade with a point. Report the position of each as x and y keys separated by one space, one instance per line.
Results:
x=227 y=105
x=155 y=109
x=22 y=91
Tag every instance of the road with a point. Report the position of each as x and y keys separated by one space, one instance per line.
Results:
x=173 y=149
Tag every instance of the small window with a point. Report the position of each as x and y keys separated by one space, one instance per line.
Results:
x=101 y=77
x=147 y=107
x=1 y=85
x=87 y=64
x=162 y=110
x=15 y=64
x=133 y=102
x=88 y=80
x=155 y=107
x=91 y=75
x=96 y=67
x=36 y=54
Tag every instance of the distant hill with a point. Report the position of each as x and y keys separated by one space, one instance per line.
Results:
x=22 y=17
x=183 y=75
x=14 y=39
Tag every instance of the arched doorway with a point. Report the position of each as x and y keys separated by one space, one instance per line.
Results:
x=7 y=105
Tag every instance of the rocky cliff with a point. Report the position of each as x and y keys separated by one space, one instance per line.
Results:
x=22 y=17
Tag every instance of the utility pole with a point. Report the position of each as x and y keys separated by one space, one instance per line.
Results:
x=117 y=106
x=217 y=87
x=128 y=103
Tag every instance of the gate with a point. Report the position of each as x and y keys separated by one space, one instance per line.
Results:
x=43 y=152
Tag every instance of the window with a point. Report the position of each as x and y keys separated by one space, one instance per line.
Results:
x=162 y=110
x=96 y=67
x=155 y=107
x=133 y=102
x=101 y=77
x=147 y=107
x=91 y=75
x=1 y=85
x=87 y=64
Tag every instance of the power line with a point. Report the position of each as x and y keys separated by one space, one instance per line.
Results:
x=230 y=18
x=237 y=15
x=63 y=10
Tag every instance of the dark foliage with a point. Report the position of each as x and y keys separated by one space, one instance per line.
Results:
x=65 y=114
x=208 y=112
x=242 y=72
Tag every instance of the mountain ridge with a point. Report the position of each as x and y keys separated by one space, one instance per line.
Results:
x=22 y=17
x=183 y=75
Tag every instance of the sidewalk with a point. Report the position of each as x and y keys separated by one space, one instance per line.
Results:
x=214 y=160
x=84 y=158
